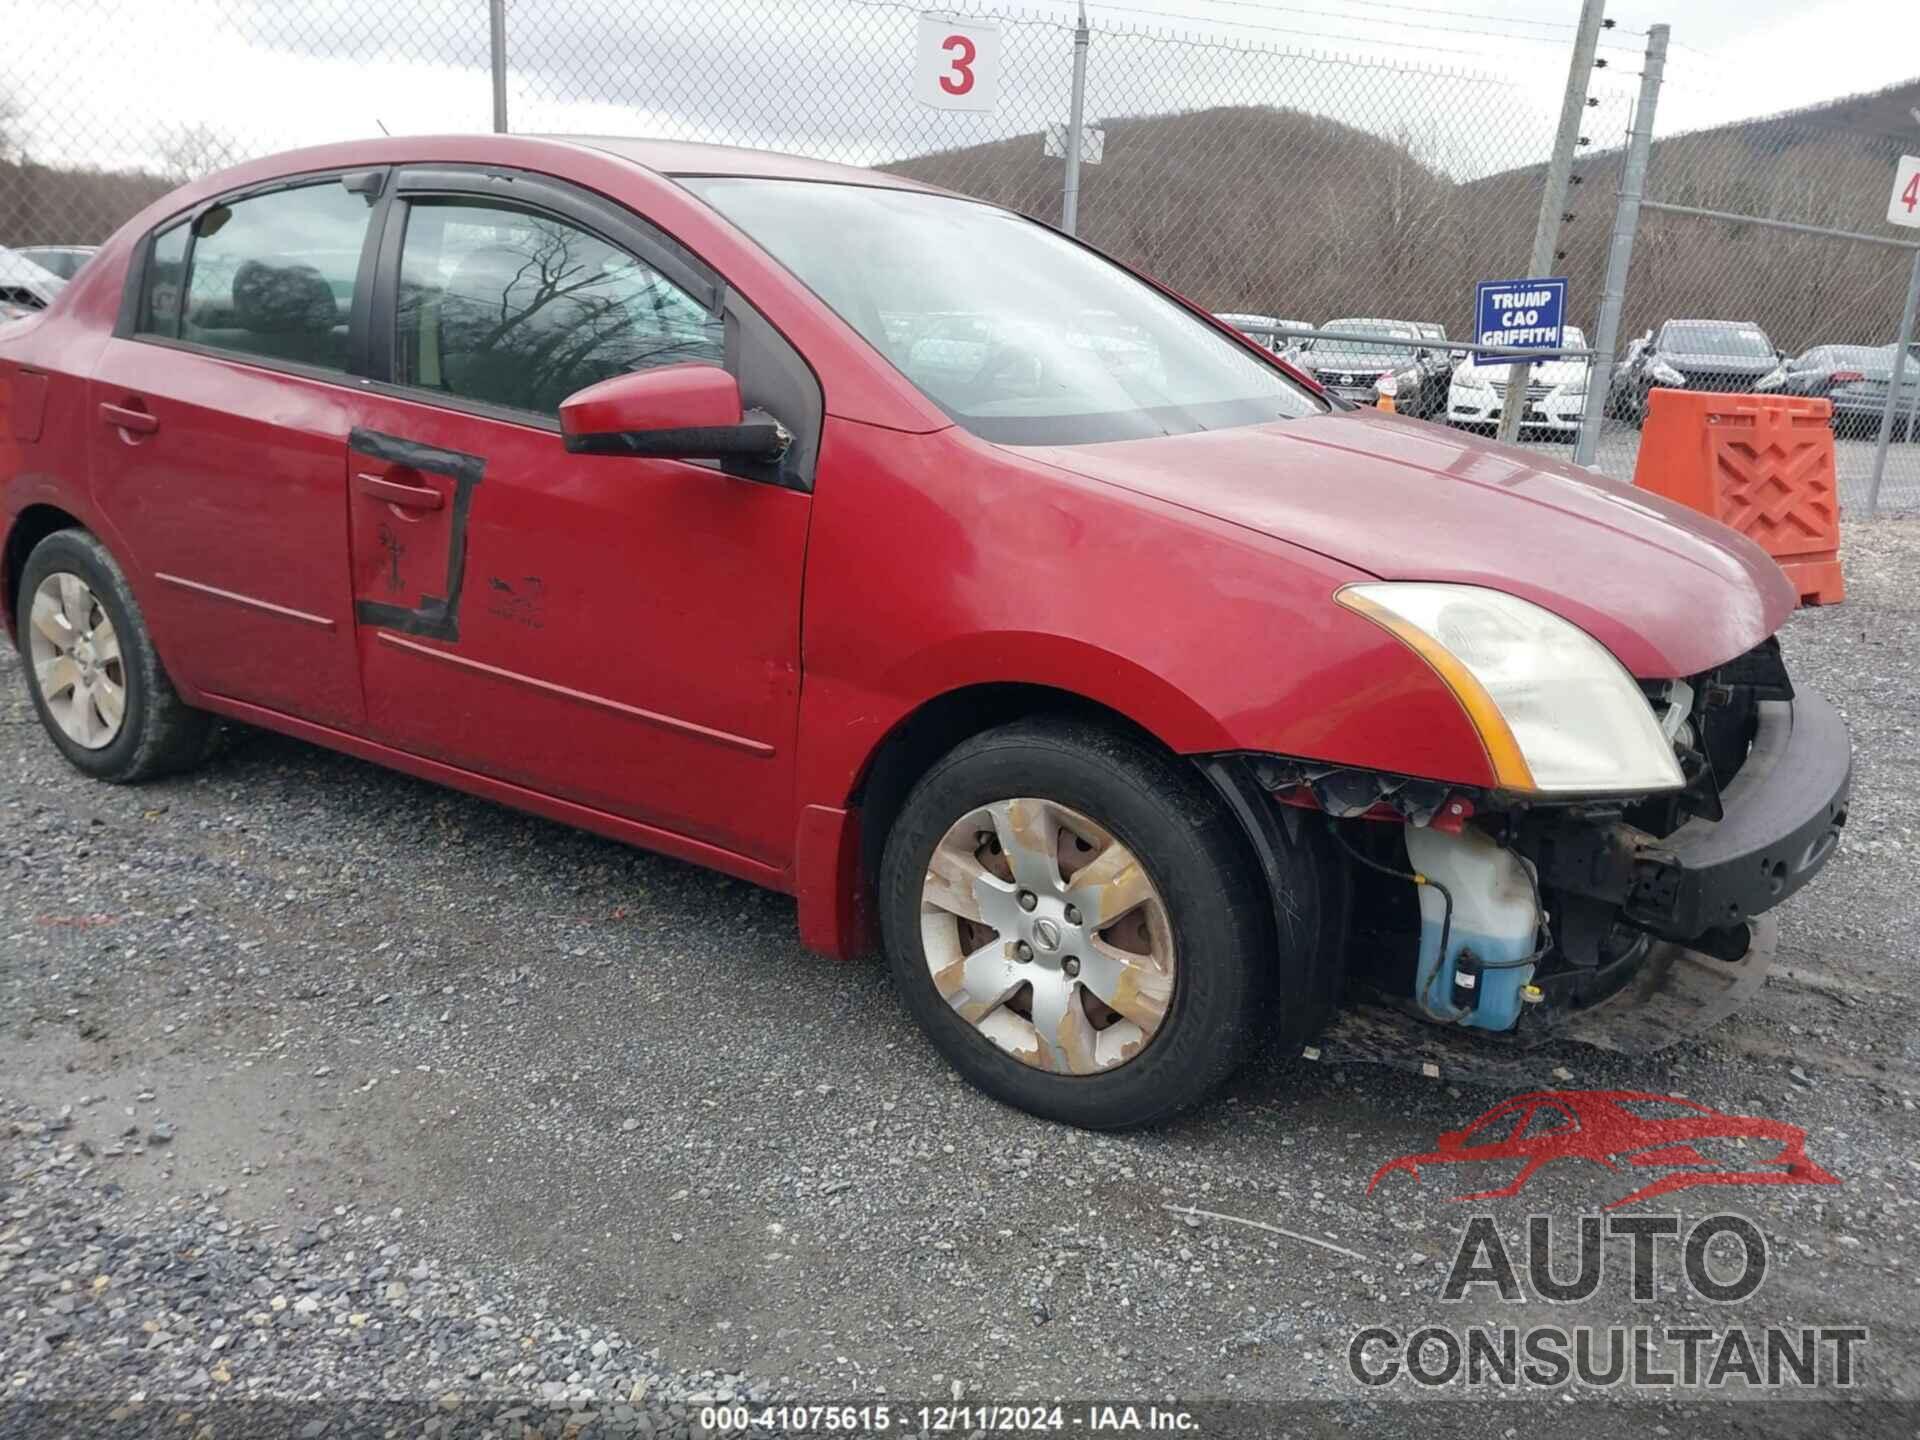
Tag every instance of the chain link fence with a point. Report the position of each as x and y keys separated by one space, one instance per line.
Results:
x=1264 y=181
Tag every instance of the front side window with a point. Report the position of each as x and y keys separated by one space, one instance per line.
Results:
x=1395 y=347
x=269 y=276
x=516 y=309
x=1016 y=332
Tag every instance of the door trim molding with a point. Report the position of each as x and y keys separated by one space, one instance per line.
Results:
x=252 y=603
x=633 y=712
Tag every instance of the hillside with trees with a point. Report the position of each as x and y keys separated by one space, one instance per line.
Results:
x=1284 y=213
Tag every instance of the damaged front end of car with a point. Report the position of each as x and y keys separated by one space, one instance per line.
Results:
x=1624 y=919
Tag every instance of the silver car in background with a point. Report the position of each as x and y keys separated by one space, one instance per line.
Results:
x=24 y=286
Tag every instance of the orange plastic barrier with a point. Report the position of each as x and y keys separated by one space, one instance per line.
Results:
x=1762 y=464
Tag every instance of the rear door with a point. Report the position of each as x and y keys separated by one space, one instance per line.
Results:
x=220 y=410
x=619 y=632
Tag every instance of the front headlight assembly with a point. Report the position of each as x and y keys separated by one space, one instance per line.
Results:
x=1557 y=713
x=1667 y=375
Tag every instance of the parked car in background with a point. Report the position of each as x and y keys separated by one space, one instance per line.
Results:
x=1856 y=378
x=1352 y=369
x=1556 y=392
x=1720 y=355
x=1004 y=611
x=1263 y=328
x=24 y=286
x=62 y=260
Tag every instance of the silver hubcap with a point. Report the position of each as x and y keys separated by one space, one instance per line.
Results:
x=76 y=661
x=1047 y=936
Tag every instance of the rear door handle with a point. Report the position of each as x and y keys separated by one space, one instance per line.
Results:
x=125 y=417
x=413 y=497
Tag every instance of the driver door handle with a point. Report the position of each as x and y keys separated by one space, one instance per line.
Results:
x=125 y=417
x=413 y=497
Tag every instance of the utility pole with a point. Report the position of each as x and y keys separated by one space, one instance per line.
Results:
x=1553 y=202
x=1626 y=224
x=1070 y=194
x=497 y=18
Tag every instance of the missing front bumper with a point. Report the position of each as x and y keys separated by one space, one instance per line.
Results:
x=1676 y=994
x=1783 y=816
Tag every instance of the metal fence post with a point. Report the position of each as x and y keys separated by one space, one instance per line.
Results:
x=1893 y=389
x=1626 y=222
x=497 y=45
x=1553 y=203
x=1070 y=194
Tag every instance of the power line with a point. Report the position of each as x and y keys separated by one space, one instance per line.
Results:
x=1323 y=36
x=1458 y=14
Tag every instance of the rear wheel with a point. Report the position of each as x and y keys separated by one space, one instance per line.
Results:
x=1073 y=919
x=97 y=684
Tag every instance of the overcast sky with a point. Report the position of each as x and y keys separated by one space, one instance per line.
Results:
x=113 y=82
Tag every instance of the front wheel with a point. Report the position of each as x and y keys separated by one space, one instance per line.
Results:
x=1074 y=920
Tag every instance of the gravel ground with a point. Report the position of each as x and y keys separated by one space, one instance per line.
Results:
x=295 y=1040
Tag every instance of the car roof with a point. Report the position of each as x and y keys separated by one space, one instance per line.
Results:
x=685 y=158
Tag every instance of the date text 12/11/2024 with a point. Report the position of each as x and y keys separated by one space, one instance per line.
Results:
x=956 y=1418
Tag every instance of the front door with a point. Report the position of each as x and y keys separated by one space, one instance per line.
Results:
x=219 y=448
x=622 y=633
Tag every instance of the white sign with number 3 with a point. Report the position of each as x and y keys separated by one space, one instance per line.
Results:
x=1905 y=206
x=956 y=63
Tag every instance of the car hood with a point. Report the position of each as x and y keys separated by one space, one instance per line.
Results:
x=1722 y=364
x=1355 y=364
x=1668 y=591
x=1541 y=372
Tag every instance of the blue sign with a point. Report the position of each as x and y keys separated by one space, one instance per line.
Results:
x=1519 y=314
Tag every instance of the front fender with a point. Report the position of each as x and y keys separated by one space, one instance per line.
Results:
x=938 y=562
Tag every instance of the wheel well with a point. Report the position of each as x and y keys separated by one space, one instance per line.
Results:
x=34 y=524
x=939 y=725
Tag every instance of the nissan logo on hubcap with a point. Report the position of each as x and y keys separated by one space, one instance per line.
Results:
x=1046 y=935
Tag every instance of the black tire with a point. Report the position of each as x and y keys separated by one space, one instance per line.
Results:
x=160 y=734
x=1199 y=861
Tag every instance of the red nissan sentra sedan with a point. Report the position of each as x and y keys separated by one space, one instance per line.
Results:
x=889 y=549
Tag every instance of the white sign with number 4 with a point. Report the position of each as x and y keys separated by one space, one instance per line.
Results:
x=956 y=63
x=1905 y=206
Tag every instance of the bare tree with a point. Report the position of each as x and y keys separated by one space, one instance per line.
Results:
x=195 y=150
x=10 y=148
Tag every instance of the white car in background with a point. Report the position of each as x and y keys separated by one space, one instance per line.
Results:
x=1556 y=391
x=24 y=286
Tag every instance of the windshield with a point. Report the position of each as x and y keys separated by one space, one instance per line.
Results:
x=1019 y=334
x=1739 y=341
x=1356 y=352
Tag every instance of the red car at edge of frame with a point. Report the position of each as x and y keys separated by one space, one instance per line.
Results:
x=891 y=550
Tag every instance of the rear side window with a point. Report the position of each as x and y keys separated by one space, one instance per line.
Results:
x=516 y=309
x=270 y=276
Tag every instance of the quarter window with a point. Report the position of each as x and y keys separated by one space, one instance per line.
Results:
x=166 y=269
x=510 y=308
